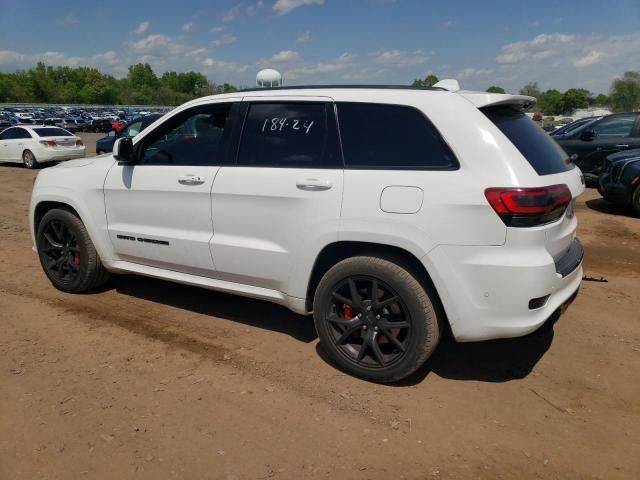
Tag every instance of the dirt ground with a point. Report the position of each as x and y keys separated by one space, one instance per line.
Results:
x=148 y=379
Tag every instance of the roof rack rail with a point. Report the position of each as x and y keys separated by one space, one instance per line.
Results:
x=314 y=87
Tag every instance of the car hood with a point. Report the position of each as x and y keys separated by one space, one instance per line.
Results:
x=624 y=155
x=83 y=162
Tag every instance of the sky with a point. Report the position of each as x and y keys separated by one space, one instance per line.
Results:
x=559 y=44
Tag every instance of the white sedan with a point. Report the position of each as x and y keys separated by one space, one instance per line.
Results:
x=33 y=144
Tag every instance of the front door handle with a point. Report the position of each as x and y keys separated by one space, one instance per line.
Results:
x=191 y=179
x=622 y=146
x=313 y=184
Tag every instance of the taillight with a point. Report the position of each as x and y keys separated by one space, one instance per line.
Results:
x=529 y=207
x=79 y=143
x=48 y=143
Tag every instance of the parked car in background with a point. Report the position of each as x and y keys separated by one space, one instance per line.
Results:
x=620 y=180
x=391 y=214
x=99 y=125
x=105 y=144
x=117 y=125
x=572 y=127
x=590 y=144
x=33 y=145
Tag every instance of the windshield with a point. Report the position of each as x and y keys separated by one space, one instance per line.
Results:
x=52 y=132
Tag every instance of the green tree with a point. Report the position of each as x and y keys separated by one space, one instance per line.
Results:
x=495 y=89
x=573 y=99
x=531 y=89
x=625 y=92
x=550 y=102
x=602 y=99
x=429 y=81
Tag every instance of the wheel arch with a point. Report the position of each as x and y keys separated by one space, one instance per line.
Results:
x=45 y=206
x=337 y=251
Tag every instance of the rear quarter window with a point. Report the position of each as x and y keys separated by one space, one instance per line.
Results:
x=538 y=147
x=391 y=137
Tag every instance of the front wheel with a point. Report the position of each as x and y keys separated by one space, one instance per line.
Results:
x=67 y=254
x=29 y=159
x=375 y=319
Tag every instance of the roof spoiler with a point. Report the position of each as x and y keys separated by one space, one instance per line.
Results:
x=450 y=84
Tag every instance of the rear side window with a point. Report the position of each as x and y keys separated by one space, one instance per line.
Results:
x=52 y=132
x=379 y=136
x=293 y=135
x=615 y=126
x=541 y=151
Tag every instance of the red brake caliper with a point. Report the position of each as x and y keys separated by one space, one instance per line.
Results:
x=76 y=259
x=347 y=311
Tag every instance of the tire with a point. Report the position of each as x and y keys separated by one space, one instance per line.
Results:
x=29 y=159
x=362 y=321
x=67 y=254
x=99 y=152
x=635 y=200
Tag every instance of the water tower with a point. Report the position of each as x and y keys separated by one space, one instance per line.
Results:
x=268 y=78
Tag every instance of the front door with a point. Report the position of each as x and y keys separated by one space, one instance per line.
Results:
x=159 y=209
x=284 y=193
x=611 y=134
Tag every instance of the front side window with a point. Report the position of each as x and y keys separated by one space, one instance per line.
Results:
x=618 y=126
x=381 y=136
x=190 y=138
x=293 y=135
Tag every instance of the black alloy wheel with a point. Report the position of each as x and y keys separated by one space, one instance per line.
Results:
x=370 y=323
x=375 y=318
x=60 y=251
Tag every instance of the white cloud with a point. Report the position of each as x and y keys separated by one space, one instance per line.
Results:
x=472 y=73
x=142 y=28
x=400 y=58
x=240 y=11
x=154 y=42
x=69 y=20
x=226 y=39
x=217 y=29
x=304 y=37
x=187 y=27
x=518 y=51
x=285 y=56
x=589 y=59
x=562 y=60
x=282 y=7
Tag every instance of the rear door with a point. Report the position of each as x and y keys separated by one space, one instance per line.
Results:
x=15 y=144
x=282 y=197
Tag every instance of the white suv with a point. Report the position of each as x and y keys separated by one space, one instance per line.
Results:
x=391 y=214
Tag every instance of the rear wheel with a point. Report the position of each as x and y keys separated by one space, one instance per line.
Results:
x=99 y=152
x=29 y=159
x=374 y=318
x=67 y=254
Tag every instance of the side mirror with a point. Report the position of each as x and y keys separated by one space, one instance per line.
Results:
x=587 y=135
x=123 y=150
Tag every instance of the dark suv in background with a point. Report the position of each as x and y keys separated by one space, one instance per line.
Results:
x=105 y=144
x=590 y=145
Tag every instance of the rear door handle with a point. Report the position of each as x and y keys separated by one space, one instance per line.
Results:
x=313 y=184
x=191 y=179
x=622 y=146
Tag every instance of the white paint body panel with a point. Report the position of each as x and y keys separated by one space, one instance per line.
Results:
x=253 y=232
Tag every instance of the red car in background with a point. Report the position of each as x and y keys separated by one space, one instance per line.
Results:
x=117 y=125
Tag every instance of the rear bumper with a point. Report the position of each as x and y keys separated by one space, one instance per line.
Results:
x=59 y=155
x=615 y=192
x=497 y=292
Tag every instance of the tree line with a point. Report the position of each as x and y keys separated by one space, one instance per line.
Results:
x=624 y=95
x=141 y=86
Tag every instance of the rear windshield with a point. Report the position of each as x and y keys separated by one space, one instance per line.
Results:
x=541 y=151
x=52 y=132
